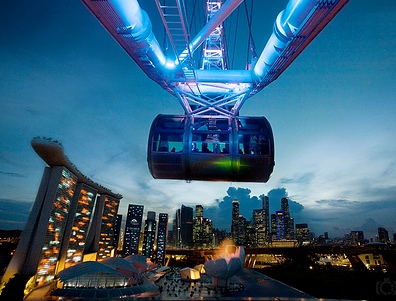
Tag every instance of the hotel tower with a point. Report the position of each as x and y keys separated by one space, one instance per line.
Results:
x=72 y=219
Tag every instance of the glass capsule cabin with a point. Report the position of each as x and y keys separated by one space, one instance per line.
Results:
x=239 y=149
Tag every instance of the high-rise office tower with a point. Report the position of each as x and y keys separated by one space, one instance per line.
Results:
x=273 y=227
x=106 y=236
x=261 y=224
x=302 y=232
x=172 y=234
x=202 y=229
x=133 y=227
x=235 y=220
x=66 y=220
x=186 y=230
x=150 y=228
x=383 y=235
x=258 y=224
x=250 y=235
x=356 y=237
x=177 y=229
x=207 y=233
x=288 y=221
x=199 y=211
x=266 y=221
x=198 y=227
x=280 y=224
x=162 y=237
x=241 y=231
x=117 y=231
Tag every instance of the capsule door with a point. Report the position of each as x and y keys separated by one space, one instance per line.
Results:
x=209 y=158
x=255 y=149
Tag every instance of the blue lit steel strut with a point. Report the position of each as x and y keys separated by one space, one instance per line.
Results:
x=210 y=92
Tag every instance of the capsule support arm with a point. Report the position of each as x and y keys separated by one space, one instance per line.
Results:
x=295 y=27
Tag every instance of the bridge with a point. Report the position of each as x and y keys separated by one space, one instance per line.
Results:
x=380 y=255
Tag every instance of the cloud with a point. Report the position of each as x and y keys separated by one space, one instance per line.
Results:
x=13 y=214
x=370 y=226
x=275 y=196
x=337 y=203
x=221 y=211
x=302 y=179
x=12 y=174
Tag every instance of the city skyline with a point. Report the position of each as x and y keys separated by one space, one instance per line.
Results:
x=333 y=123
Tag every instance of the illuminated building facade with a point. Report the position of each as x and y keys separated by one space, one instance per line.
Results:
x=288 y=221
x=356 y=237
x=302 y=233
x=186 y=229
x=162 y=237
x=132 y=229
x=198 y=211
x=52 y=242
x=234 y=220
x=202 y=229
x=258 y=223
x=69 y=218
x=106 y=236
x=117 y=231
x=79 y=217
x=241 y=231
x=383 y=235
x=264 y=233
x=150 y=228
x=280 y=224
x=176 y=229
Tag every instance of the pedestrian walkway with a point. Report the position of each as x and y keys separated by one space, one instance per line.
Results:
x=247 y=284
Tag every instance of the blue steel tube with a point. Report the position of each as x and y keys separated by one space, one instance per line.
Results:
x=226 y=9
x=286 y=25
x=138 y=22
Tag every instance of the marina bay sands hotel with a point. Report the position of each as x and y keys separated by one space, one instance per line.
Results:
x=72 y=219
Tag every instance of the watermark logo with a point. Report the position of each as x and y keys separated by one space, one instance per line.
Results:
x=386 y=287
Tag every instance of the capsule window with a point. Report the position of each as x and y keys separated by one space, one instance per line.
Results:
x=164 y=142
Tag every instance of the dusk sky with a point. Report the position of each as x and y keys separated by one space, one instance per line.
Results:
x=332 y=113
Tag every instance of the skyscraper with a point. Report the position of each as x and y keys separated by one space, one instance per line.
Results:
x=162 y=237
x=235 y=220
x=258 y=225
x=199 y=211
x=198 y=227
x=109 y=216
x=202 y=229
x=302 y=233
x=207 y=233
x=241 y=231
x=133 y=227
x=79 y=216
x=67 y=220
x=273 y=227
x=261 y=225
x=265 y=235
x=383 y=235
x=150 y=228
x=117 y=231
x=288 y=221
x=186 y=226
x=176 y=229
x=280 y=224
